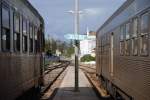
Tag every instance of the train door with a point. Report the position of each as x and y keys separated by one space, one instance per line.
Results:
x=111 y=54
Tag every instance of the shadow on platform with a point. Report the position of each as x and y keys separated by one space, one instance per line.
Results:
x=68 y=93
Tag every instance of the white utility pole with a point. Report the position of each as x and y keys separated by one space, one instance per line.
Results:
x=76 y=13
x=76 y=30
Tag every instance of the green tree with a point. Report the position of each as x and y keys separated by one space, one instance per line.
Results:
x=87 y=58
x=51 y=45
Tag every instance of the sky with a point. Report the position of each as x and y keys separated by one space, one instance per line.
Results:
x=58 y=22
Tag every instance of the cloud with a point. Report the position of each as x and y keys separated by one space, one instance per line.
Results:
x=92 y=11
x=89 y=13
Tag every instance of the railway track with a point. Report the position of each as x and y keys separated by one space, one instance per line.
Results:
x=90 y=72
x=88 y=69
x=52 y=75
x=52 y=79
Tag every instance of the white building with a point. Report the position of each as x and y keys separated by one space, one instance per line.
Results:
x=88 y=46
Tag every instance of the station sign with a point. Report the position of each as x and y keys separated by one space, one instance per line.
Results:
x=79 y=37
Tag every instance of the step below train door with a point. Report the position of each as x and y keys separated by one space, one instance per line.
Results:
x=111 y=55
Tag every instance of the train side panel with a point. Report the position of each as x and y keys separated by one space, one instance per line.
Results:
x=98 y=56
x=18 y=74
x=20 y=70
x=131 y=74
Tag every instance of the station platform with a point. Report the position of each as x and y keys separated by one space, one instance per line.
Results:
x=66 y=89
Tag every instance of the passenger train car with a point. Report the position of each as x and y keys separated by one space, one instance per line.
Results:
x=21 y=46
x=123 y=51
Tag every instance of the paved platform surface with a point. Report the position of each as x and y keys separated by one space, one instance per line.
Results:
x=66 y=90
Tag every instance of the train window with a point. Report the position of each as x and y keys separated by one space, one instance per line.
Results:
x=135 y=27
x=144 y=45
x=134 y=37
x=127 y=41
x=127 y=47
x=5 y=29
x=135 y=46
x=16 y=32
x=144 y=34
x=121 y=48
x=122 y=33
x=31 y=38
x=5 y=17
x=28 y=31
x=127 y=31
x=24 y=35
x=35 y=37
x=144 y=24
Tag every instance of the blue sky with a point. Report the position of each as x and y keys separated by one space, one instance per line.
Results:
x=58 y=22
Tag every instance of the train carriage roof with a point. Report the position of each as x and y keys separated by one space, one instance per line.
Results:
x=27 y=3
x=118 y=11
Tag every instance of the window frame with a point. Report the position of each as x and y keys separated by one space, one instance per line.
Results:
x=30 y=37
x=135 y=46
x=128 y=36
x=145 y=13
x=122 y=39
x=122 y=33
x=134 y=37
x=24 y=43
x=33 y=37
x=15 y=13
x=5 y=6
x=127 y=43
x=122 y=46
x=127 y=47
x=36 y=39
x=142 y=35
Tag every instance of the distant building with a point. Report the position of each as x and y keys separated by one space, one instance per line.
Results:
x=88 y=46
x=58 y=53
